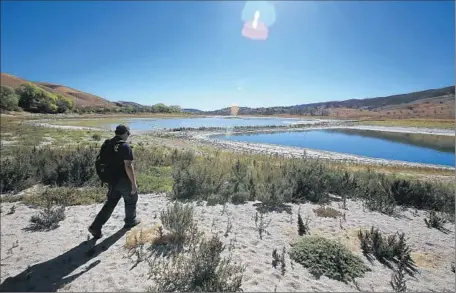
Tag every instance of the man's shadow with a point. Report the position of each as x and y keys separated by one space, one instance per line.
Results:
x=50 y=275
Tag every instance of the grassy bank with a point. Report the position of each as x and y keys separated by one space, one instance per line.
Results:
x=17 y=132
x=422 y=123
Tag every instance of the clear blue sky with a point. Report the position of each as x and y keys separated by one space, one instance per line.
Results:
x=192 y=54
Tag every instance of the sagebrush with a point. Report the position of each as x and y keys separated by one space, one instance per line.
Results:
x=436 y=220
x=178 y=218
x=327 y=257
x=389 y=250
x=202 y=269
x=327 y=212
x=48 y=219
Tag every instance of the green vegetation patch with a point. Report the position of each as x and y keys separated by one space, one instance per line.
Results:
x=155 y=179
x=325 y=257
x=425 y=123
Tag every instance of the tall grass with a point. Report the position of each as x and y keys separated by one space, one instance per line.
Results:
x=276 y=180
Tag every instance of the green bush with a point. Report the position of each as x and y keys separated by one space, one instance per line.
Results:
x=69 y=167
x=329 y=258
x=378 y=196
x=47 y=220
x=72 y=167
x=17 y=172
x=9 y=100
x=35 y=99
x=275 y=181
x=327 y=212
x=66 y=196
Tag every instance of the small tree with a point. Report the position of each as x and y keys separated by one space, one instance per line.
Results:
x=8 y=98
x=28 y=97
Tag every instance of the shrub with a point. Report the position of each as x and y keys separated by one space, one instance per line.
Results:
x=60 y=167
x=275 y=181
x=186 y=183
x=8 y=98
x=17 y=173
x=310 y=182
x=215 y=199
x=178 y=218
x=12 y=210
x=378 y=196
x=329 y=258
x=96 y=137
x=48 y=219
x=261 y=224
x=72 y=167
x=66 y=196
x=387 y=250
x=436 y=221
x=271 y=195
x=240 y=197
x=327 y=212
x=344 y=185
x=398 y=281
x=201 y=270
x=303 y=228
x=279 y=258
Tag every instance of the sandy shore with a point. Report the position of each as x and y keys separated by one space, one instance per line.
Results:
x=58 y=260
x=69 y=127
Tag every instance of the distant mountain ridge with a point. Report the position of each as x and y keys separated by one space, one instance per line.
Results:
x=432 y=103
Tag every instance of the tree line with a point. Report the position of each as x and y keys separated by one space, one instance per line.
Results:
x=31 y=98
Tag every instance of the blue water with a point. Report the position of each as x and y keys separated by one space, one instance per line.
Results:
x=337 y=141
x=150 y=124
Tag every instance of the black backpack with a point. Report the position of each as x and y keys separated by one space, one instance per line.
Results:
x=107 y=164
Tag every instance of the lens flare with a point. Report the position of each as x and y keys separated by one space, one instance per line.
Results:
x=234 y=110
x=257 y=17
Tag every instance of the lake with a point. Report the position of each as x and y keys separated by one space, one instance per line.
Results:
x=151 y=124
x=417 y=148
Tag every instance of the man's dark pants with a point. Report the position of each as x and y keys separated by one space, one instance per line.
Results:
x=115 y=192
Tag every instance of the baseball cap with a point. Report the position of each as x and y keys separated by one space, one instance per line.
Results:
x=122 y=129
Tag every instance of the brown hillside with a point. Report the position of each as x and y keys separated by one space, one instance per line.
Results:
x=80 y=99
x=434 y=108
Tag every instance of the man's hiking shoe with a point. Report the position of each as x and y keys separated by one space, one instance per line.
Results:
x=95 y=233
x=131 y=225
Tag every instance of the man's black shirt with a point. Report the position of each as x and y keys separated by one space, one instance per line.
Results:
x=124 y=153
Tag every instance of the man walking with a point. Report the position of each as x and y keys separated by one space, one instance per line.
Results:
x=122 y=182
